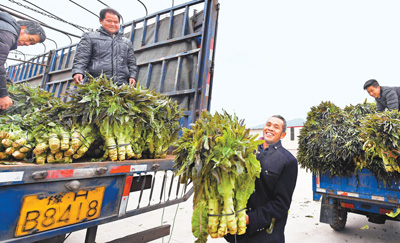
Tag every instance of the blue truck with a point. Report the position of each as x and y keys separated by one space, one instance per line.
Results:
x=360 y=193
x=175 y=50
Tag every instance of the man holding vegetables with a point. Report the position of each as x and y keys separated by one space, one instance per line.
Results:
x=268 y=206
x=106 y=51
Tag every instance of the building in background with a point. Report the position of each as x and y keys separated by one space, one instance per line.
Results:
x=291 y=141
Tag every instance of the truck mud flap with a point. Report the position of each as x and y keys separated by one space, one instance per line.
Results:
x=326 y=214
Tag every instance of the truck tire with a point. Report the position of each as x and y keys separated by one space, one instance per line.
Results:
x=339 y=218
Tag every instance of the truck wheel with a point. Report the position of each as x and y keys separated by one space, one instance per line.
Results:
x=339 y=218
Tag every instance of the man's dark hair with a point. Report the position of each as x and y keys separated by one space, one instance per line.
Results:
x=109 y=10
x=284 y=121
x=371 y=82
x=33 y=28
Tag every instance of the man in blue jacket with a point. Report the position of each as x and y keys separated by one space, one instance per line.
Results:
x=12 y=34
x=106 y=51
x=268 y=206
x=385 y=97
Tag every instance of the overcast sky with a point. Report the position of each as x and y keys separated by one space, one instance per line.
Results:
x=278 y=57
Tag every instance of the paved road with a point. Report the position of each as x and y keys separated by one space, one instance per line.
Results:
x=303 y=223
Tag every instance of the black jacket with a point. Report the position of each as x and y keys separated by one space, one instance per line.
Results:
x=390 y=98
x=99 y=52
x=9 y=32
x=272 y=196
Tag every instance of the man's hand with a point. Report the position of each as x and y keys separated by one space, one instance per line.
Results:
x=5 y=102
x=78 y=78
x=132 y=81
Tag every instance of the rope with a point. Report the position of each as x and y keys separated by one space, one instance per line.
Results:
x=117 y=146
x=50 y=16
x=227 y=214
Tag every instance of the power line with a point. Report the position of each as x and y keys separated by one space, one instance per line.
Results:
x=103 y=3
x=85 y=9
x=56 y=17
x=24 y=16
x=145 y=8
x=49 y=15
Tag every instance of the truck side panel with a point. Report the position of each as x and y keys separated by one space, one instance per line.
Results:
x=362 y=193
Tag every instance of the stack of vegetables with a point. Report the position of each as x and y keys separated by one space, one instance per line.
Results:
x=14 y=141
x=102 y=120
x=28 y=99
x=217 y=155
x=133 y=122
x=380 y=133
x=23 y=117
x=343 y=141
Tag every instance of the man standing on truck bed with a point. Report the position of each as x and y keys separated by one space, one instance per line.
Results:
x=12 y=34
x=106 y=51
x=268 y=206
x=386 y=97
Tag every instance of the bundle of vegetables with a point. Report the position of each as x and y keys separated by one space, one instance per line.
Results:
x=381 y=134
x=164 y=129
x=126 y=117
x=344 y=141
x=15 y=143
x=359 y=111
x=28 y=99
x=52 y=137
x=55 y=143
x=329 y=141
x=217 y=155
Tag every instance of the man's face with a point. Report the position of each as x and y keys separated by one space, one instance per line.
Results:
x=374 y=92
x=25 y=39
x=110 y=23
x=273 y=131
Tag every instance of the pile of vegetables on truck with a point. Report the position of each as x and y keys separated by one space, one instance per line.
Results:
x=354 y=155
x=102 y=121
x=344 y=141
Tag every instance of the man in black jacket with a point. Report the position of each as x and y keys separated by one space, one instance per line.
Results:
x=268 y=206
x=12 y=34
x=386 y=97
x=106 y=51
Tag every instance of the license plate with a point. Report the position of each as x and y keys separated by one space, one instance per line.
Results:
x=40 y=213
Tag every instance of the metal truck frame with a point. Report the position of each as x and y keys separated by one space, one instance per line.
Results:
x=175 y=49
x=360 y=193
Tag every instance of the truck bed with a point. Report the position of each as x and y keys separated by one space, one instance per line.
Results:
x=360 y=193
x=119 y=190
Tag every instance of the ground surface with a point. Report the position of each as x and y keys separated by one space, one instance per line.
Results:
x=303 y=223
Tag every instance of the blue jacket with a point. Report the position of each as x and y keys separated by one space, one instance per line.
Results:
x=272 y=196
x=99 y=52
x=9 y=32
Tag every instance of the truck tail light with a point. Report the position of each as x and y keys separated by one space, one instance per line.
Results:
x=347 y=205
x=385 y=211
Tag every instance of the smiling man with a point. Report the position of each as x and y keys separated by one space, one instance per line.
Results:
x=268 y=206
x=106 y=51
x=12 y=34
x=386 y=97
